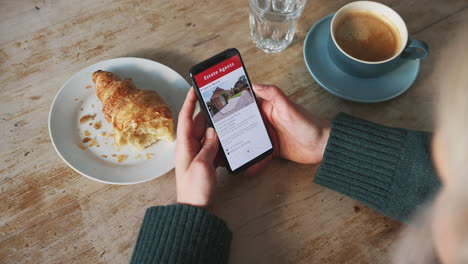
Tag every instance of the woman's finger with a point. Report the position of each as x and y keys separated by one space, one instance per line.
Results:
x=185 y=124
x=186 y=147
x=199 y=126
x=209 y=149
x=220 y=161
x=254 y=169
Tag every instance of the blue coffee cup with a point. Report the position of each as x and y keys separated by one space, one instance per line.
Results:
x=409 y=49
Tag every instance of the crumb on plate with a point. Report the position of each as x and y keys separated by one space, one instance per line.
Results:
x=102 y=134
x=88 y=87
x=85 y=118
x=121 y=158
x=86 y=139
x=81 y=146
x=114 y=155
x=93 y=142
x=104 y=156
x=148 y=156
x=86 y=133
x=98 y=125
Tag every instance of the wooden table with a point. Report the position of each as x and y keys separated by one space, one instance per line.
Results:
x=51 y=214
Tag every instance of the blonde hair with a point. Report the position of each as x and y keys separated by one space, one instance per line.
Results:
x=440 y=229
x=452 y=116
x=452 y=131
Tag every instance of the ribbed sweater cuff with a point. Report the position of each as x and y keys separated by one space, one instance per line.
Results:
x=360 y=161
x=182 y=234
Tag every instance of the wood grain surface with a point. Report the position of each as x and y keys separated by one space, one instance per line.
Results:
x=51 y=214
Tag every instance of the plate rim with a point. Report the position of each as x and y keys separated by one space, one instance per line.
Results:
x=331 y=91
x=49 y=119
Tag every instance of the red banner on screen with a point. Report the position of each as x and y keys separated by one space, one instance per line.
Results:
x=218 y=71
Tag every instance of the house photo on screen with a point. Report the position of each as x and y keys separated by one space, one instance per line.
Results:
x=230 y=95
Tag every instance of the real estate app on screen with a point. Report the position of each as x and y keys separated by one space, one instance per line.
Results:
x=234 y=114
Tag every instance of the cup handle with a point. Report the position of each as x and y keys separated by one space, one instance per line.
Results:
x=415 y=50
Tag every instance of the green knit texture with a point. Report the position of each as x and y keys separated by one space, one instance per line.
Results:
x=387 y=169
x=182 y=234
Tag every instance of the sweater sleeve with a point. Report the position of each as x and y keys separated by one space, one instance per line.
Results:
x=181 y=234
x=387 y=169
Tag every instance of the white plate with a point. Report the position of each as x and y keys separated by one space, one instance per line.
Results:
x=77 y=98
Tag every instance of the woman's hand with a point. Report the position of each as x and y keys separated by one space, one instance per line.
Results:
x=297 y=135
x=195 y=154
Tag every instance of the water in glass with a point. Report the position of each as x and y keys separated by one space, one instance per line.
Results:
x=273 y=23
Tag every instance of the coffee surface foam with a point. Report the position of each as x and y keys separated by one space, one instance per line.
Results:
x=365 y=36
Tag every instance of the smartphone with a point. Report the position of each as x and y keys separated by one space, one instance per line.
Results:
x=226 y=96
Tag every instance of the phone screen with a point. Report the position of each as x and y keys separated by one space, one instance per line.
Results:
x=234 y=113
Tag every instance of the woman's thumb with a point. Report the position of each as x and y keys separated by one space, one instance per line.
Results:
x=270 y=93
x=209 y=149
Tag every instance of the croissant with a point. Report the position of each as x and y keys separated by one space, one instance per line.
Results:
x=139 y=117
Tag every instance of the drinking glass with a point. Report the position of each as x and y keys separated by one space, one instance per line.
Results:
x=273 y=23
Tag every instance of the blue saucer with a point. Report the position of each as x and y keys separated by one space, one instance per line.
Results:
x=343 y=85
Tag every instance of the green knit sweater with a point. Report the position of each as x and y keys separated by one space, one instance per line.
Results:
x=387 y=169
